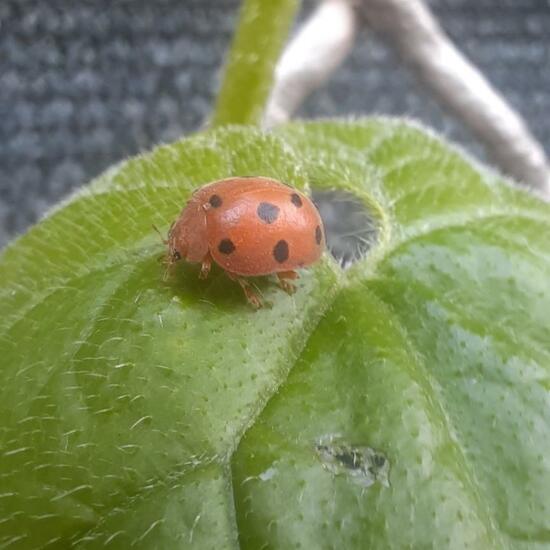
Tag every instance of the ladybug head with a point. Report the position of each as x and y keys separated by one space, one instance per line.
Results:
x=187 y=238
x=173 y=256
x=177 y=245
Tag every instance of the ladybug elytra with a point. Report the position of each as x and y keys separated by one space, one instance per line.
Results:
x=249 y=226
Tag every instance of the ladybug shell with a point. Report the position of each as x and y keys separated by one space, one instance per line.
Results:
x=256 y=225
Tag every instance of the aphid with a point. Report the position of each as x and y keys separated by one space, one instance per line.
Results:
x=249 y=226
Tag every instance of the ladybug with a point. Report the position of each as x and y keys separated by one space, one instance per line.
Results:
x=249 y=226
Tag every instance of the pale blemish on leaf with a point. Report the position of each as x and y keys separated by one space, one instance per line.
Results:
x=361 y=464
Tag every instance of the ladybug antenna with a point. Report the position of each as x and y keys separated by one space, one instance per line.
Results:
x=164 y=241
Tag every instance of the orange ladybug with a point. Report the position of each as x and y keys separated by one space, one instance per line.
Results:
x=249 y=226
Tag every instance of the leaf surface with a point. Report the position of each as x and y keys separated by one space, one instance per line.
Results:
x=404 y=402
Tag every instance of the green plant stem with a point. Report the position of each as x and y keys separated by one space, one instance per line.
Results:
x=261 y=33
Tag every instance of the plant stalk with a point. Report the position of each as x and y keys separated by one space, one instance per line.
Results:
x=261 y=34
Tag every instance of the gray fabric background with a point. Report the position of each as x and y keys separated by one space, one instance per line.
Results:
x=83 y=85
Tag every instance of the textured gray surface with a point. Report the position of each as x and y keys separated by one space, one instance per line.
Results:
x=508 y=40
x=83 y=85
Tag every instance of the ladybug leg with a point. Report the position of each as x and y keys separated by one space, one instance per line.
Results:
x=283 y=280
x=253 y=299
x=205 y=266
x=169 y=269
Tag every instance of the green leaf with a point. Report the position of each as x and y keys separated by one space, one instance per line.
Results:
x=404 y=402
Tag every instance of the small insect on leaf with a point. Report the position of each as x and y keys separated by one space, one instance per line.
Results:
x=248 y=226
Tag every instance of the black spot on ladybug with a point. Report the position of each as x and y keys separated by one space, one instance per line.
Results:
x=226 y=246
x=267 y=212
x=280 y=251
x=318 y=235
x=215 y=201
x=296 y=200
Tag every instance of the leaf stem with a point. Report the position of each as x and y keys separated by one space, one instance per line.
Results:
x=261 y=33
